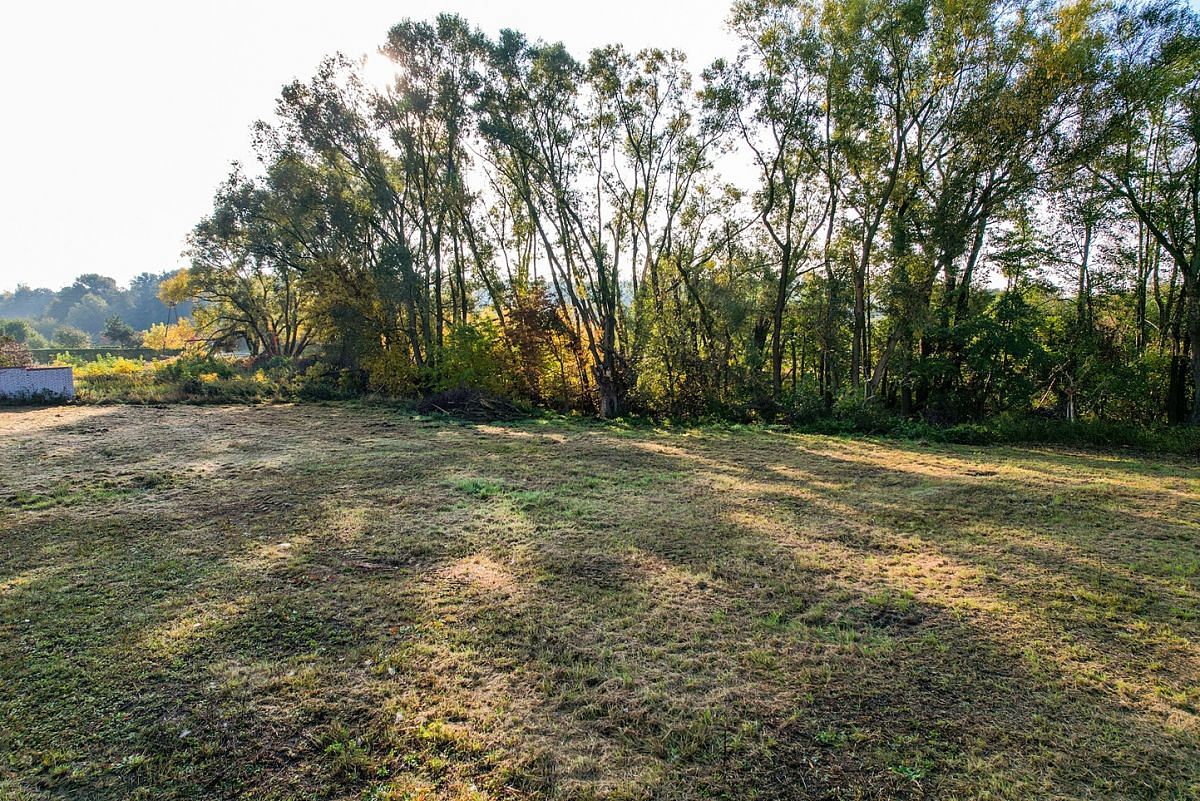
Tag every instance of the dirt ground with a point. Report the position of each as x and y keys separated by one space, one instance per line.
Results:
x=325 y=601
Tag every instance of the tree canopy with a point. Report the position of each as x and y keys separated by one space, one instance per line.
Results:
x=950 y=209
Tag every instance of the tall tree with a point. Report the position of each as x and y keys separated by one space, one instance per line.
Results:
x=1145 y=120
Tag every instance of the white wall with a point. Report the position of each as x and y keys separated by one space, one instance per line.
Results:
x=23 y=382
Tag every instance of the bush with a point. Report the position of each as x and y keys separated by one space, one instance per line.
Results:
x=13 y=353
x=107 y=367
x=1092 y=433
x=390 y=372
x=208 y=379
x=194 y=367
x=1011 y=429
x=473 y=356
x=185 y=378
x=69 y=337
x=323 y=381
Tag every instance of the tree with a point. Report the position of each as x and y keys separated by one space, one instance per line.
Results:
x=23 y=332
x=25 y=302
x=68 y=337
x=89 y=313
x=1144 y=124
x=904 y=156
x=547 y=149
x=247 y=271
x=773 y=97
x=120 y=333
x=176 y=336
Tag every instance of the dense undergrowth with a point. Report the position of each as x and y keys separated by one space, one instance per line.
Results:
x=196 y=379
x=1013 y=429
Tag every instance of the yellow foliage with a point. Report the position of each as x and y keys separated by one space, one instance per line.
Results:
x=391 y=372
x=176 y=289
x=111 y=366
x=169 y=337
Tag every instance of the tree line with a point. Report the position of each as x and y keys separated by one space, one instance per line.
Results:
x=94 y=309
x=946 y=208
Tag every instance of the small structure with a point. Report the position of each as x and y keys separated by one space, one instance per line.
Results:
x=37 y=383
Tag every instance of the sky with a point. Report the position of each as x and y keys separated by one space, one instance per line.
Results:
x=121 y=118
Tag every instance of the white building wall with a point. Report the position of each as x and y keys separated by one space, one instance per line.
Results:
x=24 y=382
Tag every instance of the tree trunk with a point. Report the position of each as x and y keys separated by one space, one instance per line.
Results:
x=781 y=297
x=1192 y=289
x=1177 y=380
x=611 y=402
x=608 y=379
x=857 y=357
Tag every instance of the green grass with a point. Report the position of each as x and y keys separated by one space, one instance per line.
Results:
x=351 y=603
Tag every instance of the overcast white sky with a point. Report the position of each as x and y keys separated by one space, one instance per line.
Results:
x=120 y=118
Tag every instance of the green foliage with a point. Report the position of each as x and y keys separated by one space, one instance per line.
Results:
x=22 y=331
x=69 y=337
x=473 y=356
x=1013 y=429
x=88 y=303
x=1003 y=355
x=192 y=378
x=120 y=333
x=391 y=372
x=927 y=233
x=193 y=368
x=89 y=313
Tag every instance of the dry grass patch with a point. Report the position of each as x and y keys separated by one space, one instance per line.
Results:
x=336 y=602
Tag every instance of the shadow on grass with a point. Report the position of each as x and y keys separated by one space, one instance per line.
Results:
x=326 y=603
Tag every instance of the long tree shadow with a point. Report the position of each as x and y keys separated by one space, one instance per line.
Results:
x=669 y=543
x=140 y=633
x=371 y=604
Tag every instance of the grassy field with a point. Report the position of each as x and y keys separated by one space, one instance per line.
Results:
x=337 y=602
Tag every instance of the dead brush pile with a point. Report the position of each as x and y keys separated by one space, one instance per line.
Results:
x=470 y=404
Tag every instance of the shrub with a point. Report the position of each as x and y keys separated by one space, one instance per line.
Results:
x=69 y=337
x=13 y=353
x=192 y=367
x=182 y=378
x=391 y=372
x=1015 y=429
x=108 y=367
x=322 y=381
x=473 y=356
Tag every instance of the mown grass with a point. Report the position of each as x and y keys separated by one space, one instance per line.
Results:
x=334 y=602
